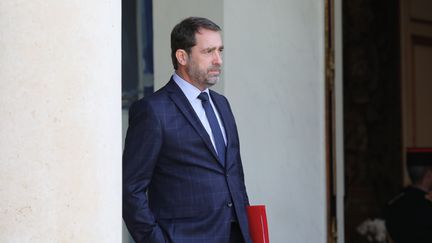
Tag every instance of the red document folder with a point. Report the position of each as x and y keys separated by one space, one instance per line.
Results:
x=258 y=223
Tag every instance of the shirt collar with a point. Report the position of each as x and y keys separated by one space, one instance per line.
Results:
x=191 y=92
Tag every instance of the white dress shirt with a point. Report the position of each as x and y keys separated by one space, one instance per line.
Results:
x=191 y=92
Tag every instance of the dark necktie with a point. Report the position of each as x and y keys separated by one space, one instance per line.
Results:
x=214 y=125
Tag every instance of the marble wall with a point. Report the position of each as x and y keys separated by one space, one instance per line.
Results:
x=60 y=126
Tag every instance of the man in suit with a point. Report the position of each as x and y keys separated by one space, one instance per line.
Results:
x=409 y=215
x=183 y=178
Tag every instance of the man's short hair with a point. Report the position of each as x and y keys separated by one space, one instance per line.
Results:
x=183 y=34
x=417 y=172
x=419 y=161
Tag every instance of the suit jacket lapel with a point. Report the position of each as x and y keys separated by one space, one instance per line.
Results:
x=226 y=118
x=185 y=107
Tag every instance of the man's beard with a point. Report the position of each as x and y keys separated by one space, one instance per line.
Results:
x=203 y=77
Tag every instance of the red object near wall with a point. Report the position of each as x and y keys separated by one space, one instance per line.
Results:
x=258 y=223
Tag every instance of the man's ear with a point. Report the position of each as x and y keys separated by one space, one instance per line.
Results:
x=182 y=57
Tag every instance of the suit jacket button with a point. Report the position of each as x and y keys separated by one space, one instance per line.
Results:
x=229 y=204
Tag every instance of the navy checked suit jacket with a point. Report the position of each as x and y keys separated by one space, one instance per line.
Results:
x=174 y=187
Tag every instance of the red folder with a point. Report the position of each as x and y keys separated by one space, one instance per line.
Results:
x=258 y=223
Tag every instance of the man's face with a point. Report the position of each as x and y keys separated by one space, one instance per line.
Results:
x=205 y=59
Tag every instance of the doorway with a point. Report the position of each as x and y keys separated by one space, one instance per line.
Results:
x=387 y=56
x=372 y=115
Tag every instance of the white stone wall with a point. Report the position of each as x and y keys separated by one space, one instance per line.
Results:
x=60 y=126
x=274 y=79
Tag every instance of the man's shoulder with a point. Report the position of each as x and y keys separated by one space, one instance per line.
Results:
x=407 y=196
x=159 y=95
x=151 y=102
x=415 y=195
x=409 y=200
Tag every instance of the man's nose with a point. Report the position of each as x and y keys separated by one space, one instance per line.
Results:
x=217 y=58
